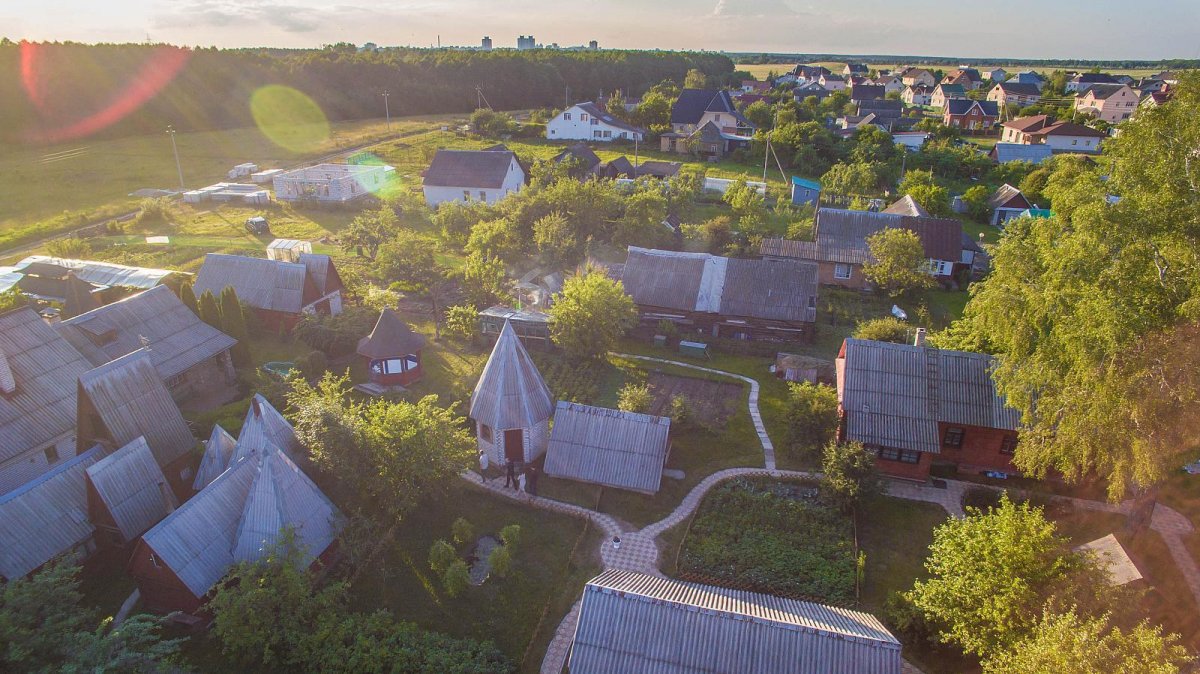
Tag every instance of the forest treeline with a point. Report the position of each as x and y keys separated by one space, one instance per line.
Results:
x=52 y=85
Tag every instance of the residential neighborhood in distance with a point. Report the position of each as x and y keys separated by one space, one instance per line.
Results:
x=647 y=344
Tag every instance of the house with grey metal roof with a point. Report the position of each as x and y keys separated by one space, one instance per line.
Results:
x=128 y=493
x=1003 y=153
x=723 y=297
x=39 y=373
x=279 y=292
x=264 y=427
x=190 y=355
x=614 y=448
x=588 y=121
x=472 y=175
x=47 y=518
x=917 y=405
x=125 y=399
x=634 y=622
x=62 y=279
x=236 y=518
x=511 y=404
x=840 y=247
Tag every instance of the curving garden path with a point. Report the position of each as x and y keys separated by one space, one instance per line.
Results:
x=639 y=548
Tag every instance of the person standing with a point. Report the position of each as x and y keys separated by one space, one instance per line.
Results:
x=521 y=481
x=484 y=462
x=510 y=475
x=533 y=477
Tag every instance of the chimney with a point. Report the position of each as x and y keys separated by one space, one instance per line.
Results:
x=255 y=407
x=167 y=498
x=919 y=340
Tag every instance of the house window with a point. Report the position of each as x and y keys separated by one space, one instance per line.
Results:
x=900 y=455
x=954 y=438
x=51 y=454
x=608 y=134
x=583 y=117
x=466 y=195
x=482 y=195
x=596 y=134
x=841 y=271
x=1008 y=445
x=595 y=122
x=485 y=432
x=567 y=116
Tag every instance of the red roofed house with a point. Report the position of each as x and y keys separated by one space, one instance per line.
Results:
x=1111 y=103
x=1060 y=136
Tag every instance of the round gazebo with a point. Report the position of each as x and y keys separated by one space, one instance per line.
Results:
x=392 y=351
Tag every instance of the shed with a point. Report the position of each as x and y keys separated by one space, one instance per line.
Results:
x=511 y=404
x=1111 y=554
x=625 y=450
x=392 y=351
x=635 y=622
x=1006 y=203
x=805 y=191
x=127 y=493
x=288 y=250
x=533 y=327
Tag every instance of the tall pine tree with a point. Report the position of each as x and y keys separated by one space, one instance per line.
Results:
x=209 y=311
x=188 y=297
x=233 y=323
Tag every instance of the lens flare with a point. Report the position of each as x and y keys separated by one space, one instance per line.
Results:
x=376 y=177
x=289 y=118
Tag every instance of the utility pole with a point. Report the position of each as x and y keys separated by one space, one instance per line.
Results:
x=387 y=111
x=175 y=149
x=635 y=150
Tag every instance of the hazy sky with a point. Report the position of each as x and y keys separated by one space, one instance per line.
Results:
x=1148 y=29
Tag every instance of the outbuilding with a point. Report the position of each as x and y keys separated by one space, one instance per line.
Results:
x=511 y=405
x=392 y=351
x=613 y=448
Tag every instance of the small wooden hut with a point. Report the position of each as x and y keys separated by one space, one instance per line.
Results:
x=392 y=351
x=511 y=404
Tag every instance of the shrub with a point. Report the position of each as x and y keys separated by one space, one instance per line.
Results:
x=69 y=248
x=634 y=398
x=885 y=329
x=511 y=535
x=462 y=531
x=811 y=417
x=441 y=556
x=500 y=559
x=981 y=497
x=461 y=322
x=850 y=475
x=680 y=411
x=456 y=578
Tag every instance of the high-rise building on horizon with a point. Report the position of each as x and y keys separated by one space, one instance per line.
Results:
x=486 y=43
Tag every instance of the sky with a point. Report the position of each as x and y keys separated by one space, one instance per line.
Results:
x=1088 y=29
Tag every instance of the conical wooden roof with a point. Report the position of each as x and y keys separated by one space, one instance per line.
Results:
x=390 y=338
x=511 y=392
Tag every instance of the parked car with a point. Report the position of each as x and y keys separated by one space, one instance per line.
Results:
x=257 y=225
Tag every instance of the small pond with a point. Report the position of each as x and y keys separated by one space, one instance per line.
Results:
x=280 y=368
x=478 y=559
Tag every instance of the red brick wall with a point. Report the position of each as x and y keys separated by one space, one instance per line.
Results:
x=908 y=471
x=980 y=449
x=825 y=276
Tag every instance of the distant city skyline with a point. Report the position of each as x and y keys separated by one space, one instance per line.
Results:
x=1020 y=29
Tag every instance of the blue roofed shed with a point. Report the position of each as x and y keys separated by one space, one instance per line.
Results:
x=805 y=191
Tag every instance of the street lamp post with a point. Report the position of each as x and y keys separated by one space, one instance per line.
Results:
x=175 y=149
x=387 y=111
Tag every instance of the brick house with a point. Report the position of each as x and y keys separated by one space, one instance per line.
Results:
x=970 y=115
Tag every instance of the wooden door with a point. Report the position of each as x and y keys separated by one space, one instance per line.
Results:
x=514 y=445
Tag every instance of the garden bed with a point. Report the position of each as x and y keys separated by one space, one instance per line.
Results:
x=712 y=402
x=774 y=537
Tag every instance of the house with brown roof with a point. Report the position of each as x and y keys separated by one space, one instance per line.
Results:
x=968 y=78
x=916 y=406
x=840 y=249
x=1058 y=136
x=1015 y=93
x=1007 y=203
x=1112 y=103
x=278 y=291
x=711 y=296
x=918 y=76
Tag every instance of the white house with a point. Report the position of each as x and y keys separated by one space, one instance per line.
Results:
x=586 y=121
x=331 y=183
x=917 y=95
x=472 y=175
x=892 y=84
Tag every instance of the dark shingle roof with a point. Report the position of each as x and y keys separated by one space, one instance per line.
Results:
x=391 y=338
x=469 y=168
x=866 y=92
x=961 y=106
x=693 y=103
x=1020 y=89
x=1007 y=196
x=1103 y=91
x=604 y=116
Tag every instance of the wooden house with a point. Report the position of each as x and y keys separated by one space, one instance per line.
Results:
x=236 y=518
x=915 y=406
x=392 y=351
x=1006 y=203
x=39 y=373
x=511 y=405
x=623 y=450
x=723 y=297
x=636 y=622
x=127 y=494
x=279 y=292
x=191 y=356
x=125 y=399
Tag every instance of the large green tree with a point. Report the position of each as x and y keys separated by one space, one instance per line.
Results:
x=591 y=314
x=210 y=309
x=484 y=280
x=899 y=263
x=811 y=417
x=1091 y=312
x=410 y=261
x=369 y=230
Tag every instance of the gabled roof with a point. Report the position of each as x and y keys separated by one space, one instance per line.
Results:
x=783 y=290
x=95 y=273
x=841 y=236
x=659 y=169
x=1006 y=152
x=894 y=395
x=1071 y=129
x=1103 y=91
x=609 y=119
x=1019 y=89
x=44 y=371
x=1007 y=196
x=510 y=392
x=321 y=272
x=906 y=205
x=693 y=103
x=625 y=450
x=217 y=453
x=177 y=338
x=634 y=622
x=950 y=89
x=231 y=520
x=1094 y=78
x=130 y=400
x=273 y=285
x=479 y=169
x=579 y=152
x=79 y=297
x=132 y=488
x=866 y=92
x=621 y=166
x=1028 y=124
x=390 y=338
x=263 y=428
x=45 y=517
x=961 y=106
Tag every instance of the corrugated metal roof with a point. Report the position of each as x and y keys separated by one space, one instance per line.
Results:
x=390 y=338
x=217 y=453
x=894 y=395
x=177 y=338
x=45 y=369
x=511 y=392
x=96 y=273
x=633 y=622
x=1006 y=152
x=781 y=290
x=841 y=236
x=198 y=541
x=609 y=447
x=664 y=278
x=45 y=517
x=264 y=427
x=1007 y=196
x=906 y=205
x=132 y=401
x=321 y=272
x=261 y=283
x=132 y=487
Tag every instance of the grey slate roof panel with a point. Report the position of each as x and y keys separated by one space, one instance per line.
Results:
x=217 y=453
x=45 y=369
x=1007 y=196
x=671 y=282
x=264 y=427
x=261 y=283
x=132 y=487
x=96 y=273
x=177 y=338
x=841 y=236
x=482 y=169
x=45 y=517
x=604 y=116
x=618 y=449
x=1006 y=152
x=781 y=290
x=633 y=622
x=510 y=392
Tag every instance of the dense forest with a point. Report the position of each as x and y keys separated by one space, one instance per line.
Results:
x=1165 y=64
x=143 y=88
